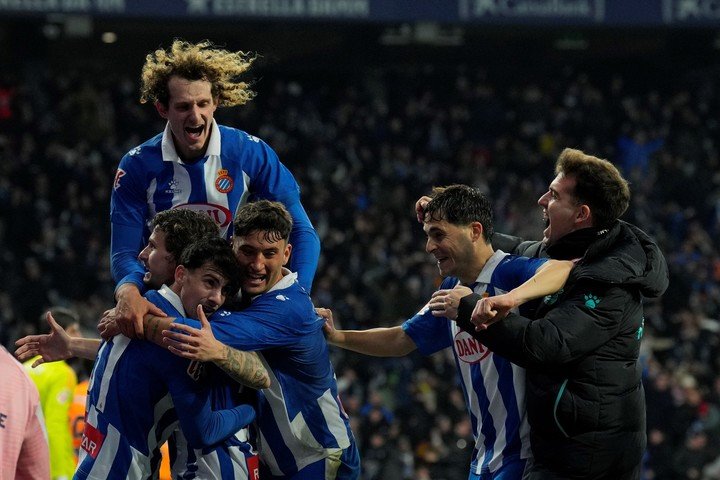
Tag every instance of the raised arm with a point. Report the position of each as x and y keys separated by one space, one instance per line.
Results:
x=56 y=345
x=378 y=342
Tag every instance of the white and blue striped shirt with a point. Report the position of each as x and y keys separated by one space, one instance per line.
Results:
x=300 y=418
x=494 y=388
x=238 y=167
x=138 y=395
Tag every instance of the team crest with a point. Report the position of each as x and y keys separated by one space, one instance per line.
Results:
x=224 y=183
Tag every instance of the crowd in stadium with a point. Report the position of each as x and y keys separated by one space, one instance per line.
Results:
x=363 y=149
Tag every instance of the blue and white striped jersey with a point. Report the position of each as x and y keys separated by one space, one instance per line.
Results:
x=238 y=167
x=138 y=394
x=231 y=459
x=494 y=388
x=300 y=418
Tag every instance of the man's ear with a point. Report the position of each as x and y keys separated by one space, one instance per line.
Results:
x=286 y=254
x=180 y=272
x=476 y=231
x=584 y=214
x=161 y=109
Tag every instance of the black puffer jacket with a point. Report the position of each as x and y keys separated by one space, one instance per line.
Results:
x=585 y=401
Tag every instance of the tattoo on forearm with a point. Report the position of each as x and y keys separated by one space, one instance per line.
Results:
x=243 y=367
x=154 y=323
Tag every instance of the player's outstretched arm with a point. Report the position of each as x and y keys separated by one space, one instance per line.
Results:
x=378 y=342
x=56 y=345
x=200 y=344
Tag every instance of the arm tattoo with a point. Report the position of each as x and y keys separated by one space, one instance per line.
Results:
x=244 y=368
x=154 y=323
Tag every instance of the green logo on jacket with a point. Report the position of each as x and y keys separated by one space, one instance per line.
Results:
x=641 y=329
x=551 y=299
x=591 y=301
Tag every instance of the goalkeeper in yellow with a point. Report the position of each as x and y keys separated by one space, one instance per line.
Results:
x=56 y=383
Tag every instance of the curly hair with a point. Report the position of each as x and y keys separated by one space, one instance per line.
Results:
x=197 y=61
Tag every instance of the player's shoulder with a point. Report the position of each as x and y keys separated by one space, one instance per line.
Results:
x=241 y=143
x=291 y=303
x=149 y=150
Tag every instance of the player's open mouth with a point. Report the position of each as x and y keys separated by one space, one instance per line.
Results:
x=255 y=279
x=195 y=132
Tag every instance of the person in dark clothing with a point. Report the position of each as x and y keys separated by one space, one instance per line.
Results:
x=585 y=400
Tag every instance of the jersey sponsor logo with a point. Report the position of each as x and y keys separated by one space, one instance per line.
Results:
x=92 y=440
x=282 y=298
x=218 y=213
x=253 y=467
x=468 y=349
x=134 y=151
x=253 y=138
x=118 y=175
x=224 y=182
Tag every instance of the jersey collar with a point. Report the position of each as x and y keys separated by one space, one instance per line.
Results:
x=169 y=154
x=173 y=298
x=287 y=280
x=486 y=273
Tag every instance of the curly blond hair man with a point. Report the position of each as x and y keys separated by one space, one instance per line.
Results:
x=196 y=164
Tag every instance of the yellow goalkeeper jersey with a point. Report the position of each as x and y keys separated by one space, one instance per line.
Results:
x=56 y=383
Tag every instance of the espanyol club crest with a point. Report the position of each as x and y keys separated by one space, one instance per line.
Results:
x=468 y=349
x=224 y=183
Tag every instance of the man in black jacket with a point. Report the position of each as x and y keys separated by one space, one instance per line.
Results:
x=585 y=400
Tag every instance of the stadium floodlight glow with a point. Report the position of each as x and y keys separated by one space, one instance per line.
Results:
x=108 y=37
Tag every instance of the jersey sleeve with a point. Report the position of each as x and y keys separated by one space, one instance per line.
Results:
x=431 y=334
x=515 y=271
x=128 y=210
x=201 y=425
x=271 y=180
x=34 y=458
x=270 y=323
x=306 y=246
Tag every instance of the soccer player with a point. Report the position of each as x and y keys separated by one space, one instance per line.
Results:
x=139 y=392
x=23 y=446
x=459 y=228
x=195 y=164
x=56 y=384
x=172 y=232
x=304 y=432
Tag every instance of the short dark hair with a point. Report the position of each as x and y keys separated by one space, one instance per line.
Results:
x=181 y=227
x=218 y=252
x=461 y=205
x=598 y=184
x=264 y=216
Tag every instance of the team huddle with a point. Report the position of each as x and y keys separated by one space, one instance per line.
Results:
x=215 y=349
